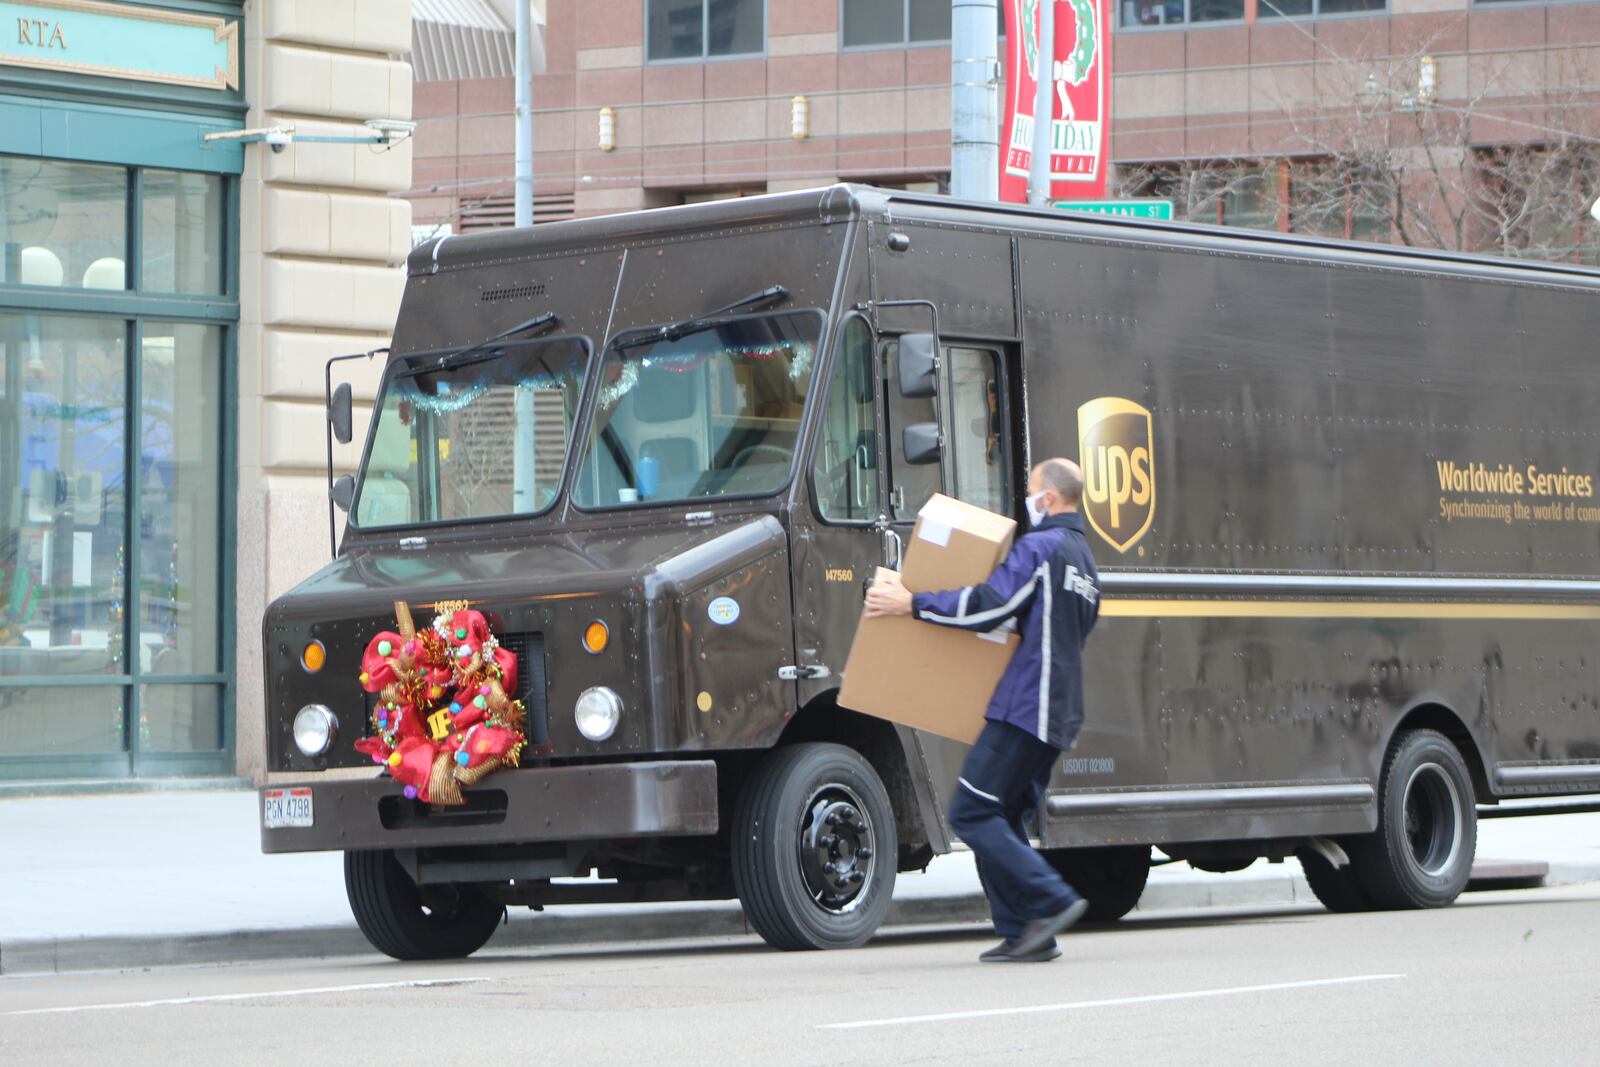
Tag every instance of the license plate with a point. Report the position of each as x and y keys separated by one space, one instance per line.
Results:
x=286 y=807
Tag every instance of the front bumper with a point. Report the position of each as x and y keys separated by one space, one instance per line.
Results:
x=603 y=802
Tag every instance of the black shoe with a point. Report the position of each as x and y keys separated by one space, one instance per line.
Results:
x=1041 y=932
x=1006 y=952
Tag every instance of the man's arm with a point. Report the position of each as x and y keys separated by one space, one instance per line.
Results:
x=984 y=607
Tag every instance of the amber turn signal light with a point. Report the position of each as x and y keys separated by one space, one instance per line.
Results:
x=313 y=657
x=596 y=637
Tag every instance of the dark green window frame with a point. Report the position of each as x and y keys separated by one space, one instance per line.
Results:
x=136 y=307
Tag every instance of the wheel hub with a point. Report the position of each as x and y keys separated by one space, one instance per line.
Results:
x=1432 y=819
x=836 y=848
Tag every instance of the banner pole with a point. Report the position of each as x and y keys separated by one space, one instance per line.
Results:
x=1043 y=107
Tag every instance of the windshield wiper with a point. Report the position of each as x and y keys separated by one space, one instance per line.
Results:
x=541 y=323
x=674 y=331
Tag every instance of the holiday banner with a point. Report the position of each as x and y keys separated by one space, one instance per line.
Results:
x=1080 y=67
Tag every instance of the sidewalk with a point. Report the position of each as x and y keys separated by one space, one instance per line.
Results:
x=91 y=882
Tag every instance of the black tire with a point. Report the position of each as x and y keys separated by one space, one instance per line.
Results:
x=1336 y=887
x=1111 y=879
x=410 y=922
x=783 y=844
x=1420 y=856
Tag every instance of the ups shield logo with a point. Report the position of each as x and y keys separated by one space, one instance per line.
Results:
x=1119 y=489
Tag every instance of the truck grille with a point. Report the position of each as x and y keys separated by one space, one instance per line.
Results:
x=532 y=689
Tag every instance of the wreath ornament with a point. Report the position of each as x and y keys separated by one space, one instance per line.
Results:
x=444 y=716
x=1084 y=48
x=1087 y=44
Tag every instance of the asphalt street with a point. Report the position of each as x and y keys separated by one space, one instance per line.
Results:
x=1504 y=977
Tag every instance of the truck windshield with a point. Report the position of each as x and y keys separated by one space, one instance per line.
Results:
x=715 y=412
x=477 y=439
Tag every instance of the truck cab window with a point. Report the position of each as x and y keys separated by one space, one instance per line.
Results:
x=714 y=412
x=844 y=469
x=973 y=429
x=487 y=437
x=971 y=419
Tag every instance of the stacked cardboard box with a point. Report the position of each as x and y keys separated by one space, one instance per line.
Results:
x=935 y=678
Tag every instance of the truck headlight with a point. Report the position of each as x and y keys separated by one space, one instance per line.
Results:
x=598 y=711
x=314 y=729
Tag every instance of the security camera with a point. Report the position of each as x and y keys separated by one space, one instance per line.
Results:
x=278 y=138
x=395 y=129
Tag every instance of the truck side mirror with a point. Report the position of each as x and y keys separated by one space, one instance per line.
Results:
x=917 y=357
x=920 y=442
x=344 y=490
x=339 y=414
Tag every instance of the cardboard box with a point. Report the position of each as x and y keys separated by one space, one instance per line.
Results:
x=954 y=544
x=935 y=678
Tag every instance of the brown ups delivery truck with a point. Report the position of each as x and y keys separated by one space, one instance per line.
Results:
x=1343 y=499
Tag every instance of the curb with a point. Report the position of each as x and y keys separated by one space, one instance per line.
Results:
x=722 y=918
x=79 y=787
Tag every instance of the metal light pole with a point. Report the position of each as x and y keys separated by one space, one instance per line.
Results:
x=974 y=99
x=1043 y=106
x=524 y=116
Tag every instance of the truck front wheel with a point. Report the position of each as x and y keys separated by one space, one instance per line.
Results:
x=412 y=922
x=814 y=848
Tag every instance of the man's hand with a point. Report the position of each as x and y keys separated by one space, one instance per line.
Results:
x=888 y=596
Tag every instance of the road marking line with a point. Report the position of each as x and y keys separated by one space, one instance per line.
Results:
x=218 y=997
x=1152 y=998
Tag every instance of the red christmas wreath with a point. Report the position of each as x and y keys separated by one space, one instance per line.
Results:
x=445 y=716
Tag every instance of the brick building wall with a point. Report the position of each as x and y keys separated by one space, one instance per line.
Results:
x=1252 y=88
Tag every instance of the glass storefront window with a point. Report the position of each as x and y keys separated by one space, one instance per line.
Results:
x=112 y=438
x=63 y=392
x=180 y=480
x=59 y=722
x=62 y=224
x=181 y=226
x=180 y=718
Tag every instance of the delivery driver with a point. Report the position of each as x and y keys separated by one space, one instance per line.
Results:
x=1049 y=584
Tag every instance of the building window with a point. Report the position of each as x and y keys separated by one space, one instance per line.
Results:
x=887 y=23
x=67 y=222
x=1345 y=200
x=1266 y=9
x=113 y=379
x=704 y=29
x=1176 y=12
x=1532 y=202
x=1222 y=193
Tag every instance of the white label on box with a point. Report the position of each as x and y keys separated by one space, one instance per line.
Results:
x=943 y=510
x=997 y=636
x=935 y=532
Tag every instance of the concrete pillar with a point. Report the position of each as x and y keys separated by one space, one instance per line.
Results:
x=321 y=243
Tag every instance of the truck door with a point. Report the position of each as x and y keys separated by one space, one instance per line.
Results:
x=977 y=463
x=838 y=543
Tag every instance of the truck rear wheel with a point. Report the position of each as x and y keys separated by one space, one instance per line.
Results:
x=412 y=922
x=1111 y=879
x=1420 y=856
x=1335 y=887
x=814 y=848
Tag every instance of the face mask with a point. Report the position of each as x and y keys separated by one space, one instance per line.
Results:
x=1035 y=506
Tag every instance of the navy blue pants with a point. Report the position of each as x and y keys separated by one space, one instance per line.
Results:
x=1001 y=785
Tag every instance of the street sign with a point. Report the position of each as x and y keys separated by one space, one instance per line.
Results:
x=1128 y=209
